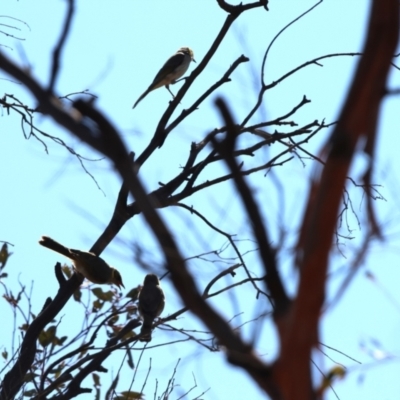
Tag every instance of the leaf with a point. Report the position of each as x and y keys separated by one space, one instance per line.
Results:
x=97 y=305
x=30 y=393
x=83 y=352
x=131 y=310
x=24 y=327
x=57 y=371
x=130 y=361
x=4 y=255
x=127 y=335
x=46 y=337
x=134 y=293
x=78 y=295
x=105 y=296
x=29 y=377
x=128 y=395
x=96 y=379
x=336 y=372
x=113 y=320
x=60 y=341
x=4 y=354
x=11 y=299
x=68 y=271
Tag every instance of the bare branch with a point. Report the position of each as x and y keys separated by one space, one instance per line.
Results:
x=267 y=253
x=60 y=45
x=299 y=329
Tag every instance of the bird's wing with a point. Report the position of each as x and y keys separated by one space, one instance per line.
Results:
x=151 y=301
x=162 y=78
x=92 y=267
x=170 y=65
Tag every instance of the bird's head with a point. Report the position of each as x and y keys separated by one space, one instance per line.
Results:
x=151 y=279
x=189 y=52
x=116 y=278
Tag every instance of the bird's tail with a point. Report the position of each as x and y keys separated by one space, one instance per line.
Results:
x=143 y=96
x=145 y=332
x=55 y=246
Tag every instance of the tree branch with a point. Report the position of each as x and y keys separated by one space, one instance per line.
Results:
x=299 y=329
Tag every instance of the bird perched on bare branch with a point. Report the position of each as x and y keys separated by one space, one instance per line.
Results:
x=172 y=70
x=151 y=304
x=88 y=264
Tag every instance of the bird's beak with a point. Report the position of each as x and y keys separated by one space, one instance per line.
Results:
x=118 y=283
x=194 y=60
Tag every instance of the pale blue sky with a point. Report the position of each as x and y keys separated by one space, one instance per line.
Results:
x=115 y=50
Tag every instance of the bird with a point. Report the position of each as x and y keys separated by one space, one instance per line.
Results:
x=172 y=70
x=92 y=267
x=151 y=304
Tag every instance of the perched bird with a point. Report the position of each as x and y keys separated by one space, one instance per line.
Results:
x=172 y=70
x=151 y=304
x=88 y=264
